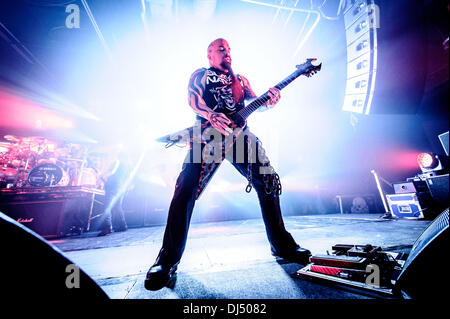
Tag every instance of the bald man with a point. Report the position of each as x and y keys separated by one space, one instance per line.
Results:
x=215 y=94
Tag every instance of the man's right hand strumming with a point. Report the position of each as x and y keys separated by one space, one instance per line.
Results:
x=220 y=122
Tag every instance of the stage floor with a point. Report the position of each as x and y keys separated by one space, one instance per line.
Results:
x=231 y=259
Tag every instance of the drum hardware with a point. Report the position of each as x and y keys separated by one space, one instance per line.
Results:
x=80 y=175
x=6 y=146
x=37 y=162
x=21 y=174
x=71 y=159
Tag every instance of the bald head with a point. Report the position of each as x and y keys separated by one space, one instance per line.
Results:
x=219 y=54
x=217 y=42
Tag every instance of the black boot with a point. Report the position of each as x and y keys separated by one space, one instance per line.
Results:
x=105 y=231
x=158 y=276
x=300 y=256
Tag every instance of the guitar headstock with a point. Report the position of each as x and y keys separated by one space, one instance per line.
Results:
x=308 y=68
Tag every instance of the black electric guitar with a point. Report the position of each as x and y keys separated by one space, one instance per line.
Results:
x=194 y=133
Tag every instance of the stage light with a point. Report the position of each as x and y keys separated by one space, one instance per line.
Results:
x=429 y=162
x=425 y=160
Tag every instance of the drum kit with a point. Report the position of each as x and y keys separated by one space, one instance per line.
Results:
x=38 y=162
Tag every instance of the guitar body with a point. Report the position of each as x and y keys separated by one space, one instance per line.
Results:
x=198 y=132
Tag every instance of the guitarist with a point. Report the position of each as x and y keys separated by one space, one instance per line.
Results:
x=213 y=94
x=115 y=183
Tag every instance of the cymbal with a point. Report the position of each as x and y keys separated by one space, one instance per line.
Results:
x=11 y=138
x=33 y=140
x=6 y=145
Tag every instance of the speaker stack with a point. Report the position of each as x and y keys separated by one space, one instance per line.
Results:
x=51 y=212
x=386 y=56
x=360 y=18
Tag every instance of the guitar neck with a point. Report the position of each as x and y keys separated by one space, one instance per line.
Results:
x=260 y=101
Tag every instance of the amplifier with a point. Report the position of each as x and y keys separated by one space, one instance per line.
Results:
x=439 y=189
x=414 y=186
x=408 y=205
x=50 y=211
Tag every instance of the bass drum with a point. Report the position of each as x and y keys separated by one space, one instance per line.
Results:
x=48 y=174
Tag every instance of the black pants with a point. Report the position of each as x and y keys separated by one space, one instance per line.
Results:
x=262 y=179
x=113 y=216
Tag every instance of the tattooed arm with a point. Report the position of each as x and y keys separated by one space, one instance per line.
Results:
x=195 y=91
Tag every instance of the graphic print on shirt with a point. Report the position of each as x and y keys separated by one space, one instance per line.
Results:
x=219 y=85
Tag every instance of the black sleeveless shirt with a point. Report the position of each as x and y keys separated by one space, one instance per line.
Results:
x=217 y=92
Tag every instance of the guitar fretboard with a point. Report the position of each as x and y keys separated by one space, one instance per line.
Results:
x=260 y=101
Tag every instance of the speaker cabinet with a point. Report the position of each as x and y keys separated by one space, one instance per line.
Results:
x=386 y=56
x=412 y=186
x=360 y=19
x=50 y=211
x=424 y=274
x=439 y=189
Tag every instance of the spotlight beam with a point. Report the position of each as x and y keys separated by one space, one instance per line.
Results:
x=130 y=178
x=277 y=13
x=96 y=28
x=290 y=14
x=303 y=27
x=20 y=48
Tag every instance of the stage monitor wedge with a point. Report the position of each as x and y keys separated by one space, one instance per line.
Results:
x=424 y=274
x=34 y=270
